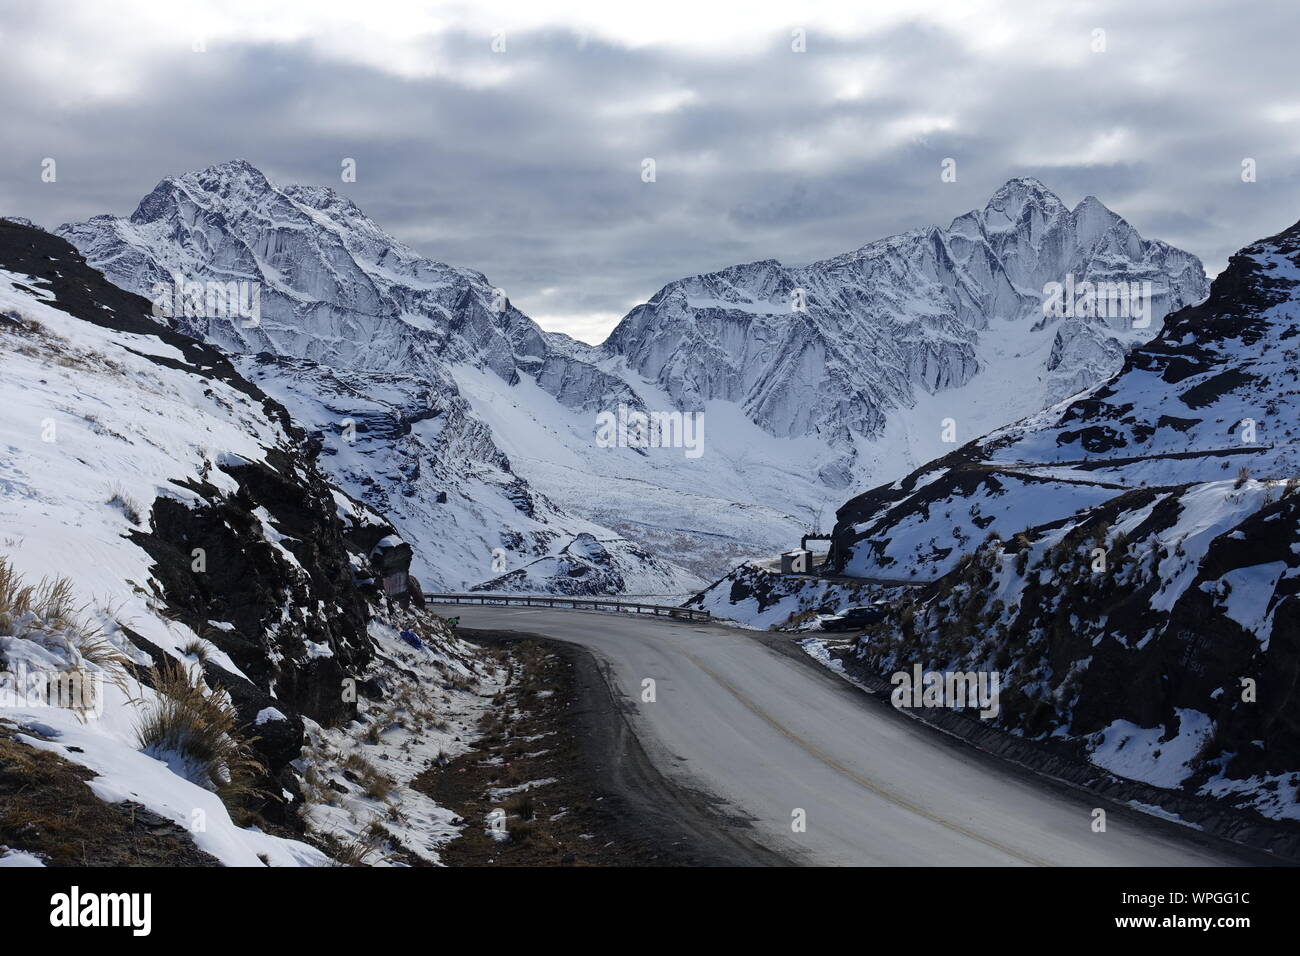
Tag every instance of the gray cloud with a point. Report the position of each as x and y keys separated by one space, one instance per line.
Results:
x=526 y=165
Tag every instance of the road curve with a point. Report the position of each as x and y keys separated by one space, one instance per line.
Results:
x=766 y=733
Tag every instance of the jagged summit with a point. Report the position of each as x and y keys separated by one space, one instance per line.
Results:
x=236 y=177
x=1017 y=197
x=903 y=316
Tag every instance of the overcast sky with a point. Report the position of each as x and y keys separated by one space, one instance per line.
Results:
x=527 y=164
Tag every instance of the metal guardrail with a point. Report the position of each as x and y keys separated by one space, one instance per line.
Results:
x=575 y=603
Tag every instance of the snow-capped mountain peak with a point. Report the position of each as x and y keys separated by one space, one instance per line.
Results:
x=362 y=337
x=819 y=379
x=1022 y=205
x=847 y=343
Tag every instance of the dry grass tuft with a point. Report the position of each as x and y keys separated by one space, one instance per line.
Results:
x=199 y=726
x=50 y=607
x=198 y=649
x=357 y=852
x=377 y=784
x=50 y=602
x=119 y=499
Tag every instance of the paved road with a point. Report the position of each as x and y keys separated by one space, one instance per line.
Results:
x=766 y=733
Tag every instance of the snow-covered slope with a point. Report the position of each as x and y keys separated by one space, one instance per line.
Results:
x=804 y=406
x=452 y=392
x=588 y=567
x=1157 y=634
x=757 y=596
x=188 y=514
